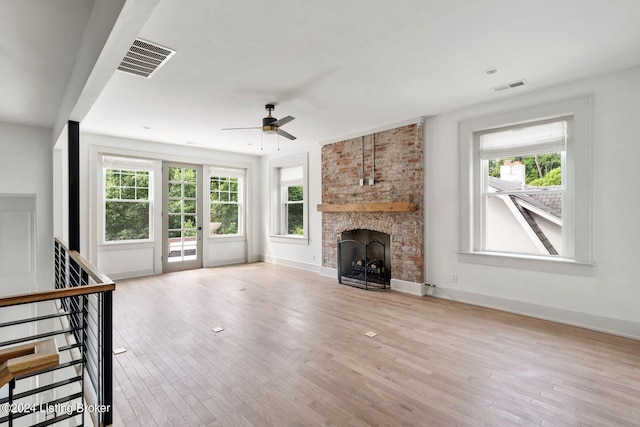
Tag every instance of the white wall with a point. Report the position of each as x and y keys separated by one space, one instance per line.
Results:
x=305 y=256
x=26 y=168
x=136 y=259
x=608 y=300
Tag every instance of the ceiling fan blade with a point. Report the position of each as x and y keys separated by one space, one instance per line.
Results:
x=286 y=134
x=257 y=127
x=282 y=121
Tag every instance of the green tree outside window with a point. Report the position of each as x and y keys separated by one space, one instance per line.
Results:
x=127 y=205
x=225 y=205
x=295 y=210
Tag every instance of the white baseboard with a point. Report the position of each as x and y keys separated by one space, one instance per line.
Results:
x=589 y=321
x=292 y=263
x=130 y=274
x=408 y=287
x=223 y=262
x=329 y=272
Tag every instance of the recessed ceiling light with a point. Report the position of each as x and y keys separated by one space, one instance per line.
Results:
x=146 y=127
x=490 y=71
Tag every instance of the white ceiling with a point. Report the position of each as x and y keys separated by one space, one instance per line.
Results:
x=39 y=41
x=338 y=67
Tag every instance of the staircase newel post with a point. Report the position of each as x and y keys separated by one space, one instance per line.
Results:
x=12 y=386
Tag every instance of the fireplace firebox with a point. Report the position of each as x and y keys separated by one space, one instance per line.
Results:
x=364 y=259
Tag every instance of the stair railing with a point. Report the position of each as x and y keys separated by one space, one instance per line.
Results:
x=78 y=316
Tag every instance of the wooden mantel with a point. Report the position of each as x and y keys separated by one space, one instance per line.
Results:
x=369 y=207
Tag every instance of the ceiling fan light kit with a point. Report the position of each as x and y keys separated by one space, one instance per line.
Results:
x=268 y=121
x=272 y=125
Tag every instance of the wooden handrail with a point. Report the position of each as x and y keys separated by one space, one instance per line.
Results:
x=55 y=294
x=26 y=359
x=93 y=272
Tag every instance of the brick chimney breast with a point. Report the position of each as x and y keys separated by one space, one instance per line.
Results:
x=399 y=177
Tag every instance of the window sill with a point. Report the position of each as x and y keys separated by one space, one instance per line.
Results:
x=299 y=240
x=526 y=262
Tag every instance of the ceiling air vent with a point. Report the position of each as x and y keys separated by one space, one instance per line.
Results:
x=509 y=86
x=145 y=58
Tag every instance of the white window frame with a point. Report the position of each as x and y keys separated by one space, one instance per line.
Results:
x=240 y=174
x=577 y=204
x=278 y=201
x=128 y=164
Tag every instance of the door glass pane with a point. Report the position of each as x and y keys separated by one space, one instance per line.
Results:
x=182 y=211
x=175 y=174
x=189 y=222
x=190 y=191
x=175 y=206
x=175 y=222
x=175 y=190
x=189 y=175
x=190 y=206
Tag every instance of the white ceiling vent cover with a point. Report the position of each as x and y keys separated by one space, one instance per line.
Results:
x=509 y=86
x=145 y=58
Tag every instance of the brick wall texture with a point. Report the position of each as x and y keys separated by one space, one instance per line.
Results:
x=398 y=178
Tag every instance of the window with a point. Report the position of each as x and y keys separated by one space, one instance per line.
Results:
x=522 y=188
x=526 y=189
x=226 y=189
x=292 y=196
x=127 y=199
x=289 y=201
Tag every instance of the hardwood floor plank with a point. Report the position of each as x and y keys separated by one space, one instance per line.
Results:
x=293 y=353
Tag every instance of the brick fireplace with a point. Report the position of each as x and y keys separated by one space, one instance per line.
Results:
x=396 y=156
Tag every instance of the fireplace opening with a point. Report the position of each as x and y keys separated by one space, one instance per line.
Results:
x=364 y=259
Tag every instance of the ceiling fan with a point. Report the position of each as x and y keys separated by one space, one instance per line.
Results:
x=271 y=124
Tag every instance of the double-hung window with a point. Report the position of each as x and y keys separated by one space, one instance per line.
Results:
x=522 y=189
x=226 y=189
x=128 y=185
x=525 y=199
x=289 y=201
x=292 y=197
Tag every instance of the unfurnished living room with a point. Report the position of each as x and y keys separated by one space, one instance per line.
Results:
x=362 y=213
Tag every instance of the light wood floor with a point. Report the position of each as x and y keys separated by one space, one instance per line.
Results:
x=294 y=353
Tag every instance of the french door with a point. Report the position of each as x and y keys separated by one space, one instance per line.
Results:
x=182 y=217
